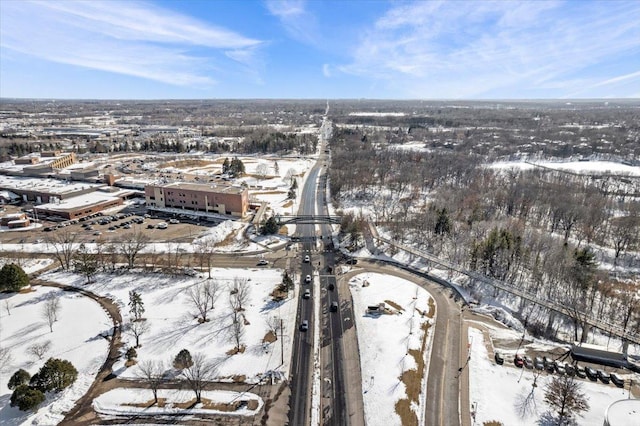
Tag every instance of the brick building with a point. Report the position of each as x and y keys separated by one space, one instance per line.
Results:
x=220 y=199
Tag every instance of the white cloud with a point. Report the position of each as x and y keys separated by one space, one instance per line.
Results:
x=131 y=38
x=326 y=70
x=296 y=19
x=480 y=49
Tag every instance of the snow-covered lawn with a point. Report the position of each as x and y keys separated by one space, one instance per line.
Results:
x=29 y=265
x=79 y=341
x=173 y=319
x=390 y=344
x=496 y=390
x=137 y=402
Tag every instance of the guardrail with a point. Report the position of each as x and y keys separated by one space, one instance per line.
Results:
x=610 y=328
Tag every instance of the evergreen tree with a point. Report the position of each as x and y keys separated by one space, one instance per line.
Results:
x=26 y=398
x=136 y=306
x=270 y=227
x=226 y=166
x=183 y=360
x=20 y=377
x=13 y=277
x=55 y=375
x=287 y=282
x=443 y=223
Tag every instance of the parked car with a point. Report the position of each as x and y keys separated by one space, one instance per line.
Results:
x=571 y=371
x=174 y=221
x=306 y=294
x=560 y=369
x=604 y=377
x=334 y=306
x=551 y=367
x=617 y=380
x=499 y=358
x=263 y=262
x=538 y=363
x=162 y=225
x=112 y=228
x=352 y=261
x=97 y=233
x=307 y=279
x=304 y=325
x=150 y=226
x=591 y=373
x=518 y=361
x=528 y=362
x=127 y=226
x=581 y=372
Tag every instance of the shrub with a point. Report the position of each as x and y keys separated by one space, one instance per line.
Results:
x=20 y=377
x=26 y=398
x=13 y=277
x=55 y=375
x=182 y=360
x=131 y=354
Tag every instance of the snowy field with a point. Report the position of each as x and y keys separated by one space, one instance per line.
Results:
x=28 y=265
x=173 y=320
x=584 y=167
x=496 y=390
x=385 y=340
x=80 y=342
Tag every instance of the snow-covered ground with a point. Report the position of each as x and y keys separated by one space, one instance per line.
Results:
x=173 y=326
x=585 y=167
x=28 y=265
x=385 y=342
x=80 y=342
x=497 y=390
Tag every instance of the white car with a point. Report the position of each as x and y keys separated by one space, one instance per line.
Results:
x=263 y=262
x=162 y=225
x=307 y=259
x=174 y=221
x=307 y=279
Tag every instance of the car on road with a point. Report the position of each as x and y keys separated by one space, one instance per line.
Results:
x=263 y=262
x=306 y=294
x=304 y=325
x=617 y=380
x=307 y=279
x=518 y=361
x=334 y=306
x=307 y=259
x=331 y=287
x=499 y=358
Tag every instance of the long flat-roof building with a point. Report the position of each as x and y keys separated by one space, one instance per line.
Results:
x=79 y=206
x=220 y=199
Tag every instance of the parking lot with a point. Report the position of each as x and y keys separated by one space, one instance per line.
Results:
x=105 y=227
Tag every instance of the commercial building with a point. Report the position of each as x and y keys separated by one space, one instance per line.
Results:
x=80 y=206
x=219 y=199
x=15 y=220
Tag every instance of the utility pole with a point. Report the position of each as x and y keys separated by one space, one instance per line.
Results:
x=281 y=342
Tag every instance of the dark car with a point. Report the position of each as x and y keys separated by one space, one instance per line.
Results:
x=499 y=358
x=571 y=371
x=604 y=377
x=331 y=287
x=550 y=367
x=518 y=361
x=538 y=363
x=617 y=380
x=352 y=261
x=304 y=325
x=334 y=306
x=591 y=373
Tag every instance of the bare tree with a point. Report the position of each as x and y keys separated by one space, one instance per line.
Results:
x=7 y=306
x=240 y=293
x=38 y=350
x=262 y=170
x=565 y=395
x=624 y=233
x=204 y=250
x=63 y=244
x=50 y=311
x=137 y=329
x=237 y=329
x=203 y=297
x=273 y=322
x=198 y=374
x=131 y=244
x=152 y=373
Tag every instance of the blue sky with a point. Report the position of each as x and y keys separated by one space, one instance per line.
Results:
x=319 y=49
